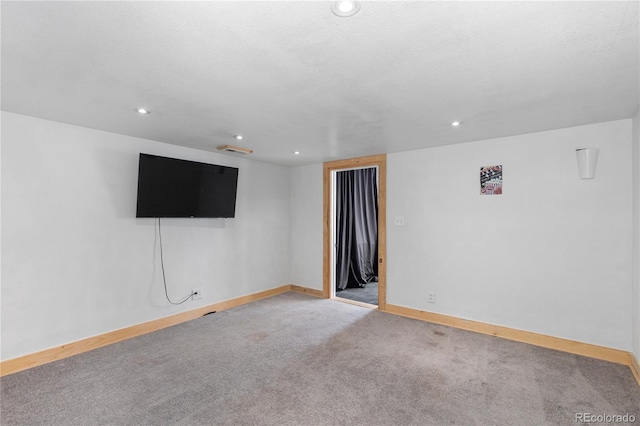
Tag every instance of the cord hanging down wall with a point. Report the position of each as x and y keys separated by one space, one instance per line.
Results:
x=164 y=278
x=491 y=180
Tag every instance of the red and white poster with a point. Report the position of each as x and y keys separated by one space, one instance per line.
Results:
x=491 y=180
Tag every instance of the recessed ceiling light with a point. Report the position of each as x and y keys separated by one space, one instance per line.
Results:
x=296 y=152
x=143 y=111
x=238 y=137
x=456 y=123
x=345 y=8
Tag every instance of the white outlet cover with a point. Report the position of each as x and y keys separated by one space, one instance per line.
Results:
x=399 y=221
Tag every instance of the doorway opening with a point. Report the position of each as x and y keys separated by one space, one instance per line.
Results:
x=355 y=231
x=355 y=234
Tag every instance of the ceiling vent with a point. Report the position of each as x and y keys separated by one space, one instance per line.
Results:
x=237 y=149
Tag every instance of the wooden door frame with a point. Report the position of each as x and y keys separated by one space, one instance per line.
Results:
x=328 y=168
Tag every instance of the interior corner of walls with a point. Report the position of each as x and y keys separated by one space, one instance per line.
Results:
x=306 y=290
x=306 y=233
x=634 y=364
x=635 y=137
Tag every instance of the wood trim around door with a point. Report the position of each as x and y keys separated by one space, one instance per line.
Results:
x=375 y=160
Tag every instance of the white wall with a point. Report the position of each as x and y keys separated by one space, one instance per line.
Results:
x=523 y=259
x=306 y=246
x=77 y=263
x=0 y=234
x=636 y=235
x=551 y=255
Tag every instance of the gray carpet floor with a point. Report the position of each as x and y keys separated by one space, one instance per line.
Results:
x=367 y=294
x=298 y=360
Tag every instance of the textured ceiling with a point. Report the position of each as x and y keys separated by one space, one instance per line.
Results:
x=291 y=76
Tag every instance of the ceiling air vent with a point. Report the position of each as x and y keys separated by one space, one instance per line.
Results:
x=231 y=148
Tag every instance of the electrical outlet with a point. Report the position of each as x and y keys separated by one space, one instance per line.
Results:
x=196 y=293
x=399 y=221
x=431 y=297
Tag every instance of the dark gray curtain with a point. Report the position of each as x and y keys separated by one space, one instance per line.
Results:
x=356 y=228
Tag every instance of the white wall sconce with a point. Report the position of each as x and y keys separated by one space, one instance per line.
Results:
x=587 y=160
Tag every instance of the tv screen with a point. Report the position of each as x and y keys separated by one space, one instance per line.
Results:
x=168 y=187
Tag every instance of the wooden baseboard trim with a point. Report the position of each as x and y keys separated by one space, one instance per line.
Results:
x=356 y=302
x=557 y=343
x=74 y=348
x=306 y=290
x=635 y=367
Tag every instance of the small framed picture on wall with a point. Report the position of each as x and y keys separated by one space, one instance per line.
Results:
x=491 y=180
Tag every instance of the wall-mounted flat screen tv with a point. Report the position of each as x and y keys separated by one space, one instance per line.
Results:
x=168 y=187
